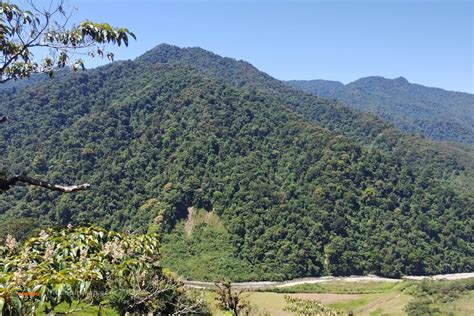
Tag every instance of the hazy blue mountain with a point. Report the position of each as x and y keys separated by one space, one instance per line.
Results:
x=432 y=112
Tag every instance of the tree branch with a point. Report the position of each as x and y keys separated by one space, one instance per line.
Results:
x=6 y=184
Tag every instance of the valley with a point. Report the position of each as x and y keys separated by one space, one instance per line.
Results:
x=139 y=178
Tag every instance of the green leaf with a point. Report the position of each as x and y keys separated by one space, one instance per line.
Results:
x=2 y=303
x=59 y=290
x=16 y=301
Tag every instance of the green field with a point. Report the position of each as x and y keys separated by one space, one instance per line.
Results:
x=366 y=298
x=83 y=309
x=342 y=287
x=359 y=298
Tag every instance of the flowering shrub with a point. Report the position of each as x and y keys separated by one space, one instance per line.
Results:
x=88 y=266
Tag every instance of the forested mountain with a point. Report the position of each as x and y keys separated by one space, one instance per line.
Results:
x=364 y=128
x=432 y=112
x=244 y=176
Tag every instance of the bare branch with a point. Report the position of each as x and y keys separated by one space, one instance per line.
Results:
x=41 y=183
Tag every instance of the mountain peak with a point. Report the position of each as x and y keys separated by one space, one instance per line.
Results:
x=161 y=54
x=379 y=79
x=401 y=80
x=167 y=53
x=228 y=70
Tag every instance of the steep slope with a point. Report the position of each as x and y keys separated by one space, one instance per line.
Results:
x=363 y=128
x=242 y=75
x=432 y=112
x=290 y=198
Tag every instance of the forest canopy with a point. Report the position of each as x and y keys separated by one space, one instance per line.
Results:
x=295 y=185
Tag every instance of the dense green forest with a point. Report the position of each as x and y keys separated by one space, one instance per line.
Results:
x=364 y=128
x=281 y=183
x=432 y=112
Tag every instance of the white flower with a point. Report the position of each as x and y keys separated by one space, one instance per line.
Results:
x=114 y=249
x=11 y=242
x=48 y=253
x=43 y=235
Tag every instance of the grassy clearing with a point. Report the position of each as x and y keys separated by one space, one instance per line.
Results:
x=88 y=310
x=340 y=287
x=198 y=217
x=359 y=302
x=375 y=304
x=367 y=298
x=386 y=298
x=272 y=303
x=206 y=254
x=388 y=304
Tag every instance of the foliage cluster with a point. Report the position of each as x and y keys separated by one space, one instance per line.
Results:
x=23 y=30
x=88 y=266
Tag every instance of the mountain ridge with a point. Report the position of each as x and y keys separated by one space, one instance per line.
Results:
x=433 y=112
x=400 y=79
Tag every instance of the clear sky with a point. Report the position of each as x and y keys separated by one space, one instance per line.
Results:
x=427 y=42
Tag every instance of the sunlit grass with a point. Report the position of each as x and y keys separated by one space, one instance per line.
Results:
x=83 y=309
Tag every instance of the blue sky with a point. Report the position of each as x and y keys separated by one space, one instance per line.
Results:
x=427 y=42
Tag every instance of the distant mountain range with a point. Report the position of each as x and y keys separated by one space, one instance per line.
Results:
x=244 y=177
x=432 y=112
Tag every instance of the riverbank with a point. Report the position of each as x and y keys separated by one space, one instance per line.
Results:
x=270 y=284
